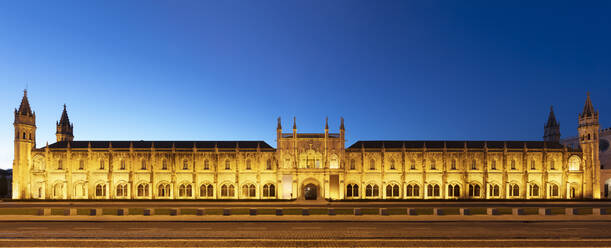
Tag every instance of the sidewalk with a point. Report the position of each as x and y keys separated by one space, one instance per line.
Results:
x=311 y=218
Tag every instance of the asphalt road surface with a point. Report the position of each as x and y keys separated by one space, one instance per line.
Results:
x=305 y=234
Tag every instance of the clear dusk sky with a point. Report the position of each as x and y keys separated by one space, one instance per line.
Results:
x=225 y=70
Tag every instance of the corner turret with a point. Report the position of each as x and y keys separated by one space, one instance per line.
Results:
x=64 y=128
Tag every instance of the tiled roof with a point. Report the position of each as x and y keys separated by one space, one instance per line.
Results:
x=163 y=144
x=454 y=144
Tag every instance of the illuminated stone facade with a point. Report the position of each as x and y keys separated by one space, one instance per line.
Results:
x=304 y=166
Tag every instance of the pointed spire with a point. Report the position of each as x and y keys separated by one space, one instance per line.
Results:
x=588 y=109
x=294 y=123
x=327 y=123
x=551 y=120
x=64 y=120
x=341 y=125
x=279 y=127
x=24 y=108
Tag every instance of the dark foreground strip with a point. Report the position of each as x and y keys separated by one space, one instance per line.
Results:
x=304 y=243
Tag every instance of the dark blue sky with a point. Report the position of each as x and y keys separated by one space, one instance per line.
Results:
x=202 y=70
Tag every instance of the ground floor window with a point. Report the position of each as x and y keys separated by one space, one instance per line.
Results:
x=494 y=190
x=514 y=190
x=372 y=191
x=269 y=190
x=352 y=190
x=164 y=190
x=553 y=190
x=122 y=190
x=100 y=190
x=249 y=190
x=412 y=190
x=433 y=190
x=453 y=190
x=392 y=190
x=206 y=190
x=143 y=190
x=534 y=190
x=185 y=190
x=474 y=190
x=227 y=190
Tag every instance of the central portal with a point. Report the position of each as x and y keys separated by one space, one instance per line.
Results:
x=310 y=192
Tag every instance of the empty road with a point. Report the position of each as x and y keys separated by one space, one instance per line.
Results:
x=309 y=234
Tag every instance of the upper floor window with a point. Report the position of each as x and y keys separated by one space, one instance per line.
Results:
x=206 y=164
x=269 y=164
x=474 y=165
x=392 y=164
x=513 y=164
x=552 y=165
x=352 y=164
x=574 y=163
x=453 y=165
x=81 y=165
x=433 y=167
x=185 y=164
x=248 y=166
x=533 y=166
x=101 y=164
x=143 y=166
x=164 y=165
x=493 y=165
x=60 y=164
x=227 y=165
x=372 y=164
x=122 y=164
x=412 y=165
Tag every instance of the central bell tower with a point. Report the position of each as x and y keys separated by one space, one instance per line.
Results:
x=25 y=141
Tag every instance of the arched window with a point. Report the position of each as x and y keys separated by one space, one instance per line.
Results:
x=574 y=163
x=164 y=165
x=433 y=167
x=60 y=164
x=352 y=164
x=533 y=165
x=474 y=190
x=372 y=164
x=453 y=190
x=352 y=190
x=227 y=164
x=552 y=164
x=514 y=190
x=372 y=190
x=412 y=165
x=453 y=166
x=269 y=164
x=143 y=165
x=143 y=190
x=58 y=190
x=248 y=166
x=206 y=190
x=164 y=190
x=412 y=190
x=474 y=165
x=513 y=164
x=206 y=164
x=392 y=190
x=23 y=135
x=101 y=164
x=100 y=190
x=433 y=190
x=81 y=165
x=494 y=190
x=392 y=164
x=122 y=164
x=185 y=190
x=185 y=164
x=334 y=162
x=553 y=190
x=534 y=190
x=227 y=190
x=249 y=190
x=493 y=165
x=269 y=190
x=122 y=190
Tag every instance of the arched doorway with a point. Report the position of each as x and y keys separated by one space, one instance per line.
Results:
x=310 y=192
